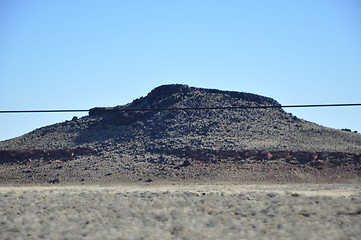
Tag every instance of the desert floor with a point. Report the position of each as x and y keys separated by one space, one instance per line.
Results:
x=181 y=211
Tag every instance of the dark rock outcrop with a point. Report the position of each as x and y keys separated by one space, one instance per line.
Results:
x=293 y=157
x=26 y=156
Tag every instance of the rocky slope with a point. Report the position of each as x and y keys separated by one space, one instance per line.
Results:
x=123 y=145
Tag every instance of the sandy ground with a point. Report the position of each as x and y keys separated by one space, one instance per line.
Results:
x=178 y=211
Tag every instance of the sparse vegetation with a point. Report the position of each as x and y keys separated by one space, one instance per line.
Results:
x=346 y=130
x=181 y=212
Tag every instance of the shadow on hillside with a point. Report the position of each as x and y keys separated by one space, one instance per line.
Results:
x=122 y=128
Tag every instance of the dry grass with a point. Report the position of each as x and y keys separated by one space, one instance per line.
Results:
x=313 y=211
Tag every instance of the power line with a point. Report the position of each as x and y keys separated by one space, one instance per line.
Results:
x=181 y=109
x=44 y=111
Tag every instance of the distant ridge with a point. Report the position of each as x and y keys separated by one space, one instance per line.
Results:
x=159 y=141
x=267 y=129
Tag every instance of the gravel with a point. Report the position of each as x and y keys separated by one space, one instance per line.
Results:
x=150 y=211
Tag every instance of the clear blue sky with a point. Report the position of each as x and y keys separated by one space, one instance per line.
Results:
x=80 y=54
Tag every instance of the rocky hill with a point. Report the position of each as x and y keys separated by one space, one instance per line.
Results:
x=126 y=144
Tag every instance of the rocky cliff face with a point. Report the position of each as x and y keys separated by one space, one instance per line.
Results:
x=177 y=97
x=182 y=96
